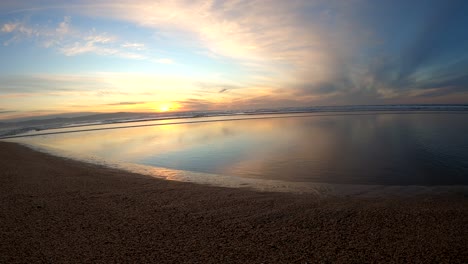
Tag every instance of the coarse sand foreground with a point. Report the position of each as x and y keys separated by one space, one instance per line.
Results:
x=54 y=210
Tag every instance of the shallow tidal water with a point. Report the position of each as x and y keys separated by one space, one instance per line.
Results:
x=390 y=149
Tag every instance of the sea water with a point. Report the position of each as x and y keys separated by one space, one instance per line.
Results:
x=364 y=148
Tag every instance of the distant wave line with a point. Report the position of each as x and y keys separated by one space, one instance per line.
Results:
x=280 y=115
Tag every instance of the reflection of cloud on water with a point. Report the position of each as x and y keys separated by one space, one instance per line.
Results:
x=340 y=148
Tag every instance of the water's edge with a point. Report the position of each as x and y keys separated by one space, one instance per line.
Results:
x=319 y=189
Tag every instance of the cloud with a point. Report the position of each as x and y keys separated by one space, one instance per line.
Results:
x=19 y=31
x=427 y=44
x=27 y=84
x=299 y=42
x=9 y=27
x=64 y=26
x=103 y=91
x=217 y=87
x=239 y=29
x=135 y=46
x=306 y=52
x=198 y=104
x=100 y=44
x=126 y=103
x=164 y=61
x=108 y=86
x=49 y=83
x=71 y=41
x=5 y=111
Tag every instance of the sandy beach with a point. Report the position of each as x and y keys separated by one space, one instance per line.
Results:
x=54 y=210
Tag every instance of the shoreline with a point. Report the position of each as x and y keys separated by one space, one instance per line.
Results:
x=263 y=185
x=55 y=209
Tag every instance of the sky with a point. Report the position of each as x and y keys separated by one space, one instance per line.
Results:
x=184 y=55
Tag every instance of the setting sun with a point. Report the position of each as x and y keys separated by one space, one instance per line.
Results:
x=166 y=107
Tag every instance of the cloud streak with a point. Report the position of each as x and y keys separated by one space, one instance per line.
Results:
x=5 y=111
x=71 y=41
x=126 y=103
x=320 y=51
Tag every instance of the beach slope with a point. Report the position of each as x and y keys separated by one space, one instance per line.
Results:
x=54 y=210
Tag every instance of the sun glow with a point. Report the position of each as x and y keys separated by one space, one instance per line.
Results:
x=166 y=107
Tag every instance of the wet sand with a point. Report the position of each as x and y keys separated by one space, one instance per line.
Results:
x=54 y=210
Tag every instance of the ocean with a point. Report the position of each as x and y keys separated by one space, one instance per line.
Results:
x=292 y=150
